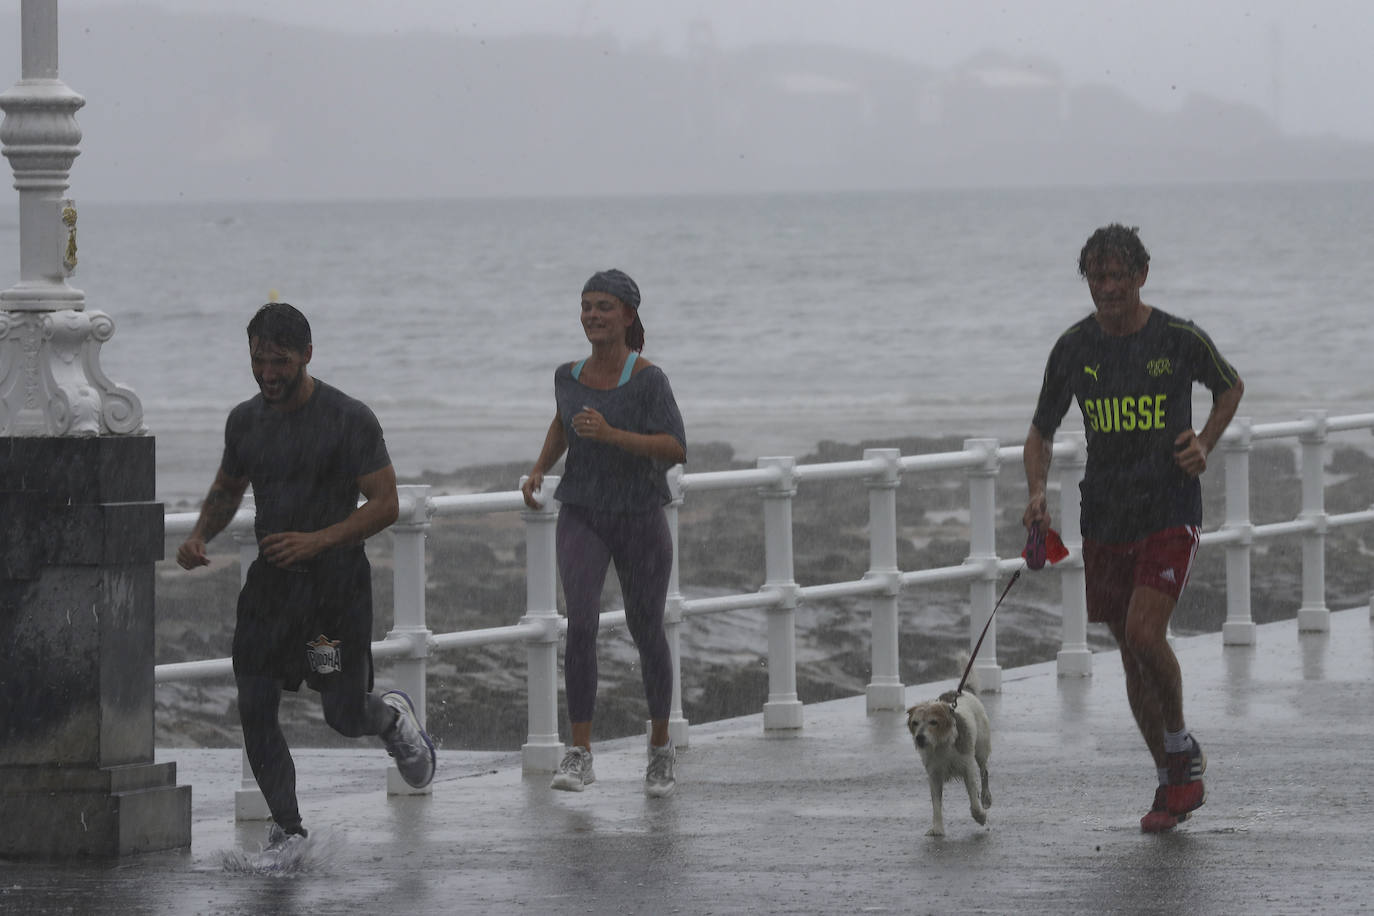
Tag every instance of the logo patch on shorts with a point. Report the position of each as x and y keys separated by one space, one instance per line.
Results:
x=323 y=655
x=1168 y=576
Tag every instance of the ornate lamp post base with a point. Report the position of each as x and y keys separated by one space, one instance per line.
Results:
x=79 y=527
x=51 y=383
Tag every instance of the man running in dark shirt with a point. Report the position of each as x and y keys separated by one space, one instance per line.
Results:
x=305 y=610
x=1131 y=368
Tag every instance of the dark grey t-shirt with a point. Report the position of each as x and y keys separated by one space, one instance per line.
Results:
x=599 y=475
x=304 y=465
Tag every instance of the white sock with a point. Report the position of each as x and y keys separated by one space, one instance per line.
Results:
x=1177 y=742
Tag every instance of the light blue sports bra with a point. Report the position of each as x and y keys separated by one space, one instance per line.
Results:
x=624 y=373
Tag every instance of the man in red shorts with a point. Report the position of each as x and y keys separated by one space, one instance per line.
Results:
x=1131 y=368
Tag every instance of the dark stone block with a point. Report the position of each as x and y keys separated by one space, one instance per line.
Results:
x=97 y=469
x=79 y=685
x=23 y=780
x=100 y=813
x=133 y=533
x=102 y=535
x=78 y=538
x=21 y=547
x=76 y=600
x=77 y=501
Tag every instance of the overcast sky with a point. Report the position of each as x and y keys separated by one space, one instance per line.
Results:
x=1306 y=62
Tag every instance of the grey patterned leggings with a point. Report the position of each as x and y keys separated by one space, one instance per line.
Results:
x=642 y=548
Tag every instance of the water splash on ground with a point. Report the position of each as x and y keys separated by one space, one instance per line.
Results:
x=316 y=853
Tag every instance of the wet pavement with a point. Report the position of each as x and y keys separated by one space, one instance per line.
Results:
x=832 y=820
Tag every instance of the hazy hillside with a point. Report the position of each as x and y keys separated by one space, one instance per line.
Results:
x=200 y=106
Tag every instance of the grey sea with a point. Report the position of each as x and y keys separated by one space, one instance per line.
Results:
x=781 y=320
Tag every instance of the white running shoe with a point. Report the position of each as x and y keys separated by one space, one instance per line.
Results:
x=284 y=851
x=658 y=778
x=575 y=772
x=408 y=743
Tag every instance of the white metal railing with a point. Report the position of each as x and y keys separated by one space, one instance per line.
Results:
x=776 y=480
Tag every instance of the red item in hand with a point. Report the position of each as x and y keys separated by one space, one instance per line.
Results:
x=1043 y=544
x=1034 y=551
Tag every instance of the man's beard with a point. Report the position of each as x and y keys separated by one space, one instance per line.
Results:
x=289 y=387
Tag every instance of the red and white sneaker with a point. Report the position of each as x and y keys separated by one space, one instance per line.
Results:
x=1185 y=791
x=1158 y=819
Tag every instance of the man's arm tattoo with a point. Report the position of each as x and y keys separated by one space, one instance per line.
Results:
x=217 y=512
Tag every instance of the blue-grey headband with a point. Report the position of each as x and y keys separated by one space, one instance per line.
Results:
x=615 y=282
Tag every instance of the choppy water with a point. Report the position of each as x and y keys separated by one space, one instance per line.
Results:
x=780 y=319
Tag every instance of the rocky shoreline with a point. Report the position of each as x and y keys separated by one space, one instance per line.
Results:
x=476 y=579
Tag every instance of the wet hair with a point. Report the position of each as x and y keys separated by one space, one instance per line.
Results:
x=1116 y=241
x=617 y=283
x=634 y=335
x=281 y=324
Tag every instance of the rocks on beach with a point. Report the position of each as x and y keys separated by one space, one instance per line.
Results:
x=475 y=569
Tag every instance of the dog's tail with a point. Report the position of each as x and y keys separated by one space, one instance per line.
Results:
x=961 y=662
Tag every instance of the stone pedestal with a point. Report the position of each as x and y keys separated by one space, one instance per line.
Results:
x=79 y=534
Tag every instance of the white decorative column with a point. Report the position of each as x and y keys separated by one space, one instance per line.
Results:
x=1314 y=616
x=678 y=726
x=1239 y=628
x=982 y=487
x=543 y=750
x=783 y=711
x=408 y=615
x=80 y=528
x=1075 y=659
x=885 y=690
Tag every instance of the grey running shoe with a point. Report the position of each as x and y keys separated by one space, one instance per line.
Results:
x=408 y=743
x=283 y=850
x=658 y=778
x=575 y=772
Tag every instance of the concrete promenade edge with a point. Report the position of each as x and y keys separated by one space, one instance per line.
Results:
x=832 y=820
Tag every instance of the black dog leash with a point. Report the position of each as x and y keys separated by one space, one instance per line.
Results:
x=978 y=645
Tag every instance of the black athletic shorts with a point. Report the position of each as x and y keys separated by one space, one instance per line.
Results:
x=307 y=625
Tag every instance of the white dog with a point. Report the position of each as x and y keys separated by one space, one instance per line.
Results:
x=954 y=739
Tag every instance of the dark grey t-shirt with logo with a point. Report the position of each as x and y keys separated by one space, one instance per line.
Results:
x=1135 y=394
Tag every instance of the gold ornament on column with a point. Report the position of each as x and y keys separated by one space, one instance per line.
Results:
x=69 y=220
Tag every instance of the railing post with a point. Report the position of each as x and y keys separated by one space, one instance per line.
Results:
x=1239 y=628
x=1075 y=658
x=249 y=804
x=408 y=608
x=885 y=690
x=783 y=711
x=544 y=749
x=1313 y=616
x=982 y=485
x=678 y=726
